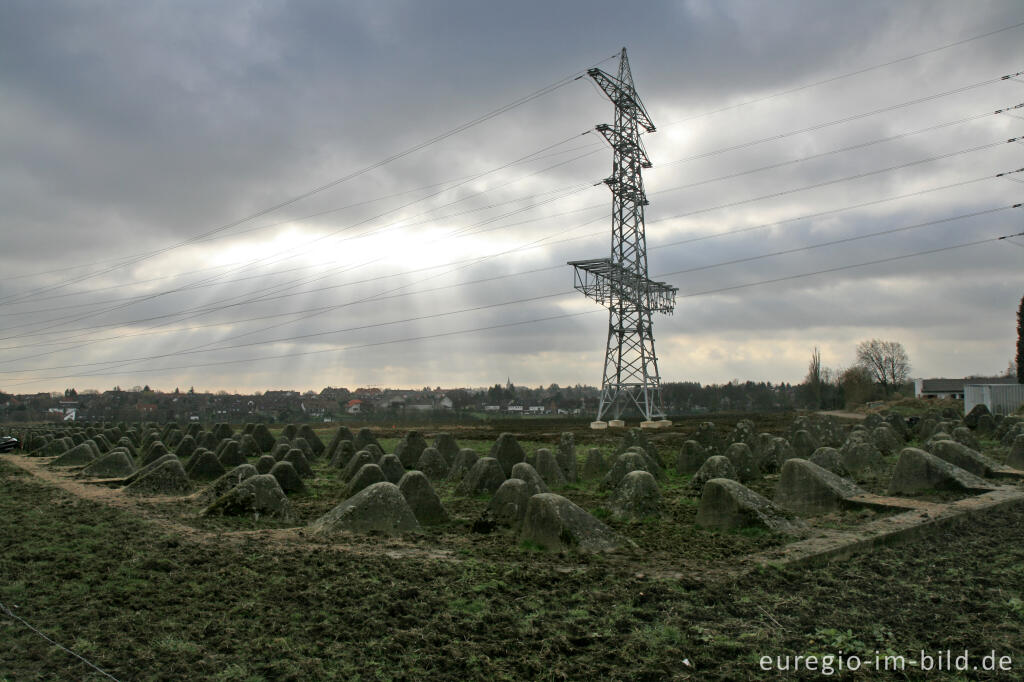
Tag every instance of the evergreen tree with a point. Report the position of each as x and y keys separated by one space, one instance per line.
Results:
x=1020 y=341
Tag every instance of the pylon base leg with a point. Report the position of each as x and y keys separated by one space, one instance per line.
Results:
x=599 y=426
x=616 y=424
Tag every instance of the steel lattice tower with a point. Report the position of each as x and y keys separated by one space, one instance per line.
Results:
x=621 y=282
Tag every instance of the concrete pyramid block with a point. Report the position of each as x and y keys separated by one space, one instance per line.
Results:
x=555 y=523
x=807 y=489
x=726 y=504
x=114 y=464
x=166 y=478
x=486 y=476
x=637 y=496
x=257 y=496
x=380 y=507
x=964 y=457
x=917 y=470
x=422 y=499
x=225 y=483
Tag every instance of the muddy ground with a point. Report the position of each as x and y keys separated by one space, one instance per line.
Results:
x=145 y=589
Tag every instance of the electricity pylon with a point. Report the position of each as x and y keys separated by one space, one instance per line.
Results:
x=621 y=282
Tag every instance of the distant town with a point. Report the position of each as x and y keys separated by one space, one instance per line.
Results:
x=370 y=403
x=332 y=404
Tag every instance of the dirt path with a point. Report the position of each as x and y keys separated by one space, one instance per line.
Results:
x=143 y=507
x=823 y=541
x=295 y=539
x=842 y=414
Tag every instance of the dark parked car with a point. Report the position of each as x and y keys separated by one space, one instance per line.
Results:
x=8 y=443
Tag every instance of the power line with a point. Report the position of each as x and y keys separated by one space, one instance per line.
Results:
x=17 y=298
x=845 y=119
x=660 y=246
x=734 y=203
x=300 y=337
x=848 y=74
x=678 y=187
x=547 y=193
x=336 y=350
x=214 y=308
x=727 y=205
x=10 y=614
x=800 y=189
x=808 y=247
x=454 y=183
x=284 y=271
x=856 y=176
x=547 y=89
x=844 y=240
x=873 y=202
x=519 y=323
x=267 y=226
x=540 y=92
x=839 y=150
x=817 y=126
x=324 y=309
x=695 y=116
x=840 y=268
x=257 y=261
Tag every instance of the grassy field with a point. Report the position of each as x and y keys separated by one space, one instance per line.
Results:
x=151 y=591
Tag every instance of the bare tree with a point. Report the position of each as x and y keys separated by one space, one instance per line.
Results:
x=887 y=362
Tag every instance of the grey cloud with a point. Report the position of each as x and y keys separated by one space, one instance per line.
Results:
x=128 y=127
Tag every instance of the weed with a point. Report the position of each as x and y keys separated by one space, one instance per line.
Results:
x=468 y=606
x=834 y=640
x=1016 y=605
x=170 y=644
x=752 y=531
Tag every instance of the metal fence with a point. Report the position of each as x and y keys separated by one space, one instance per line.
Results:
x=998 y=398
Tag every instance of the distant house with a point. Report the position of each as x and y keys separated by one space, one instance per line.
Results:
x=492 y=408
x=368 y=393
x=953 y=388
x=536 y=409
x=354 y=406
x=334 y=394
x=318 y=407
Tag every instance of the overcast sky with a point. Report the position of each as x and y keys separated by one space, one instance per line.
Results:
x=149 y=152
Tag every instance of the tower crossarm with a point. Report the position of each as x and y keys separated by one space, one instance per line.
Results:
x=608 y=283
x=623 y=96
x=622 y=185
x=624 y=145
